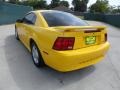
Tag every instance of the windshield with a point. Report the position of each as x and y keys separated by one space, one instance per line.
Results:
x=58 y=18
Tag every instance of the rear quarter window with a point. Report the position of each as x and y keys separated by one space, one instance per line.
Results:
x=31 y=17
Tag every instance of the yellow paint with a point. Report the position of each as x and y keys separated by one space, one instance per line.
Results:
x=81 y=56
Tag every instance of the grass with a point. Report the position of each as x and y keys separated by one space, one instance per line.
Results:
x=81 y=17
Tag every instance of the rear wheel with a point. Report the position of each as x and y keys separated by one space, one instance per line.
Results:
x=36 y=56
x=16 y=33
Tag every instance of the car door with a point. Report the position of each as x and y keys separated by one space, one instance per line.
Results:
x=28 y=24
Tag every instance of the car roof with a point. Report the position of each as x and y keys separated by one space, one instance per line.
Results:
x=45 y=11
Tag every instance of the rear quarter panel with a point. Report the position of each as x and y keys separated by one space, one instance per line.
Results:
x=44 y=38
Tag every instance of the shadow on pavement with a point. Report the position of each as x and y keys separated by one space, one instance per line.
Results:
x=28 y=77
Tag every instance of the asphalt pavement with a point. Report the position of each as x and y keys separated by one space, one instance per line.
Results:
x=17 y=71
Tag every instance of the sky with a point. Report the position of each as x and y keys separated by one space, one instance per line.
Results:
x=111 y=2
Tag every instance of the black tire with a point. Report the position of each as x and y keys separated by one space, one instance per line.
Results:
x=16 y=34
x=39 y=62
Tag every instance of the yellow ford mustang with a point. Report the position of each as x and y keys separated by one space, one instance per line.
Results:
x=61 y=40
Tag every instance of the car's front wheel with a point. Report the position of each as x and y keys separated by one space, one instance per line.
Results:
x=36 y=56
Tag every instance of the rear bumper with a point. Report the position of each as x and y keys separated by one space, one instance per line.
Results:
x=75 y=59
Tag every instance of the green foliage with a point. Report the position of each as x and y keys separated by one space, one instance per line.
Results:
x=2 y=0
x=13 y=1
x=40 y=4
x=64 y=3
x=101 y=6
x=116 y=10
x=55 y=3
x=76 y=4
x=36 y=4
x=86 y=1
x=80 y=5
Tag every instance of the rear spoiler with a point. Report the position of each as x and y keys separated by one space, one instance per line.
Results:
x=79 y=28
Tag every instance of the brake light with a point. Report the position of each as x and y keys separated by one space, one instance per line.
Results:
x=106 y=37
x=64 y=43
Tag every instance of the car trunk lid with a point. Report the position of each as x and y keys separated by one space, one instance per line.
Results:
x=84 y=35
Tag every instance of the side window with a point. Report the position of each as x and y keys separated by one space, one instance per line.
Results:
x=30 y=18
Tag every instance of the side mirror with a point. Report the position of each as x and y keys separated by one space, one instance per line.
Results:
x=20 y=21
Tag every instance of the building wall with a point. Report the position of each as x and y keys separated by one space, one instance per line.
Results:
x=111 y=19
x=9 y=13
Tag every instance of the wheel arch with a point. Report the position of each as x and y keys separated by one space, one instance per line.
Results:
x=42 y=63
x=31 y=41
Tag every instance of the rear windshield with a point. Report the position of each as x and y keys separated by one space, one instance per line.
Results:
x=58 y=18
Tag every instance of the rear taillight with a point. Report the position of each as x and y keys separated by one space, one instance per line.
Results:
x=106 y=37
x=64 y=43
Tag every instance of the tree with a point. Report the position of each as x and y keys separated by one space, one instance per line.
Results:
x=86 y=1
x=80 y=5
x=36 y=4
x=55 y=3
x=101 y=6
x=116 y=10
x=13 y=1
x=2 y=0
x=64 y=3
x=41 y=4
x=76 y=4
